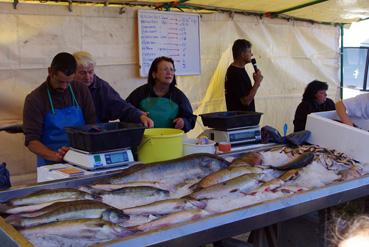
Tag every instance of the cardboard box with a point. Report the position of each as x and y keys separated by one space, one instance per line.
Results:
x=327 y=132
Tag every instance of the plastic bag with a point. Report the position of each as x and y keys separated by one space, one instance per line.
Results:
x=270 y=134
x=4 y=177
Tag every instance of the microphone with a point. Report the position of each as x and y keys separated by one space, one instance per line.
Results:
x=253 y=61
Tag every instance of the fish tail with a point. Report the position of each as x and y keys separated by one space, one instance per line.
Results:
x=4 y=208
x=14 y=220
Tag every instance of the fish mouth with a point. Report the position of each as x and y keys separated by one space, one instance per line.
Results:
x=199 y=204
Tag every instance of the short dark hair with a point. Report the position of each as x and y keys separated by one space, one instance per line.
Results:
x=312 y=88
x=64 y=62
x=239 y=46
x=154 y=68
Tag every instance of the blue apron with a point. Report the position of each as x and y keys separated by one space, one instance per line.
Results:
x=53 y=133
x=161 y=110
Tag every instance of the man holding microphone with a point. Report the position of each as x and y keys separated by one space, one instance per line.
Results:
x=239 y=92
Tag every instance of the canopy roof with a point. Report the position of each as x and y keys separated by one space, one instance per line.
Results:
x=322 y=11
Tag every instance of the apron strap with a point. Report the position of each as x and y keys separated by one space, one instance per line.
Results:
x=74 y=100
x=50 y=100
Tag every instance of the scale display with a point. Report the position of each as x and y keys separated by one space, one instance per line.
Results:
x=243 y=135
x=99 y=160
x=116 y=158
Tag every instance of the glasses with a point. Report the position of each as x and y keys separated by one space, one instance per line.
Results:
x=166 y=70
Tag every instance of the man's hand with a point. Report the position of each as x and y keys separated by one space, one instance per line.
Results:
x=61 y=152
x=258 y=77
x=146 y=121
x=178 y=123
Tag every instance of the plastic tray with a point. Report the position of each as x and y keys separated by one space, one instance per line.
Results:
x=230 y=119
x=95 y=138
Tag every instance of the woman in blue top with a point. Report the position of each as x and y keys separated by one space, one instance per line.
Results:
x=165 y=104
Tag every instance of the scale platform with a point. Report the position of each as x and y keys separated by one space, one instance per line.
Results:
x=106 y=159
x=235 y=136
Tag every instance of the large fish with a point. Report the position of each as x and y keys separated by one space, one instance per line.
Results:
x=248 y=159
x=298 y=162
x=84 y=210
x=85 y=228
x=134 y=196
x=165 y=207
x=49 y=195
x=226 y=174
x=173 y=171
x=242 y=183
x=96 y=188
x=171 y=219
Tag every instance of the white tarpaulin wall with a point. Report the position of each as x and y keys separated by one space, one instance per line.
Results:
x=290 y=54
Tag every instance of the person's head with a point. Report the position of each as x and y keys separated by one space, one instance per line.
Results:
x=316 y=91
x=241 y=50
x=61 y=71
x=85 y=67
x=162 y=71
x=354 y=232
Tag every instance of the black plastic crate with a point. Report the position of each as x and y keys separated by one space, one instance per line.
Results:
x=231 y=119
x=95 y=138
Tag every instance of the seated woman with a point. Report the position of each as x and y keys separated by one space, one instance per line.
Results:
x=165 y=104
x=314 y=99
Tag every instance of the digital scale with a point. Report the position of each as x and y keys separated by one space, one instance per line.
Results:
x=106 y=159
x=235 y=136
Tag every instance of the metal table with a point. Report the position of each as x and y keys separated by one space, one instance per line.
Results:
x=215 y=227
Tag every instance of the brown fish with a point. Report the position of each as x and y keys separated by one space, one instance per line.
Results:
x=85 y=228
x=49 y=195
x=86 y=210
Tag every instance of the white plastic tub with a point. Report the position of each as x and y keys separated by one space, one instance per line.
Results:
x=328 y=133
x=190 y=147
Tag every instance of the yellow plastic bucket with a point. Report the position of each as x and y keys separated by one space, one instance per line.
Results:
x=160 y=144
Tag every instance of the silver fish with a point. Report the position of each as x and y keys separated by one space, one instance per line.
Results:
x=49 y=195
x=173 y=171
x=165 y=207
x=133 y=196
x=172 y=219
x=84 y=228
x=88 y=210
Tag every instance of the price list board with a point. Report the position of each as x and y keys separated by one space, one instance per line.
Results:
x=171 y=34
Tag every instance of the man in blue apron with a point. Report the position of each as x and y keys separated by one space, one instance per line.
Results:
x=166 y=105
x=55 y=104
x=108 y=103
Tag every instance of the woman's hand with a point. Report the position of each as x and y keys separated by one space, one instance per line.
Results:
x=178 y=123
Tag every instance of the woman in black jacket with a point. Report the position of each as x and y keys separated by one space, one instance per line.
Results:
x=314 y=99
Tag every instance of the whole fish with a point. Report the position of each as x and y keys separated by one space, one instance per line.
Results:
x=298 y=162
x=49 y=195
x=242 y=183
x=134 y=196
x=277 y=182
x=95 y=188
x=87 y=210
x=251 y=158
x=51 y=207
x=173 y=171
x=165 y=207
x=171 y=219
x=225 y=174
x=84 y=228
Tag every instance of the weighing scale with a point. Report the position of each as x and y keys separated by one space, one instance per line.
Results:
x=106 y=159
x=236 y=136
